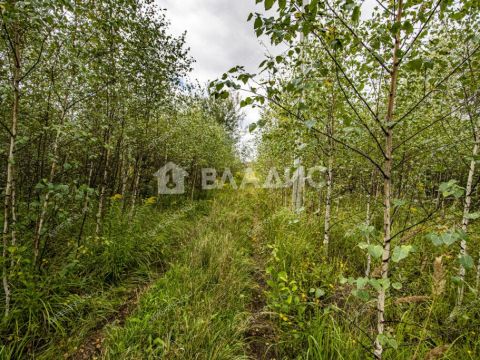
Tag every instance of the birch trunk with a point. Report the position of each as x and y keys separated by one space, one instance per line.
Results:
x=367 y=223
x=328 y=198
x=328 y=204
x=387 y=186
x=477 y=282
x=135 y=188
x=298 y=182
x=466 y=210
x=9 y=202
x=372 y=192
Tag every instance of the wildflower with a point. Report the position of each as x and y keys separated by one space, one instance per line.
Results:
x=151 y=200
x=117 y=197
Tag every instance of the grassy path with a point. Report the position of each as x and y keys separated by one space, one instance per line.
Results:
x=261 y=334
x=92 y=312
x=200 y=308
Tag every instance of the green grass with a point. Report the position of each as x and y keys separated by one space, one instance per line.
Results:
x=198 y=310
x=56 y=308
x=200 y=260
x=337 y=324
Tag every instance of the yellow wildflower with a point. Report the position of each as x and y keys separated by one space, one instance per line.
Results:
x=116 y=197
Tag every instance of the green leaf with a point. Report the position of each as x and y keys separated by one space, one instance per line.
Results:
x=466 y=261
x=282 y=4
x=310 y=123
x=384 y=283
x=435 y=239
x=361 y=294
x=415 y=64
x=397 y=285
x=473 y=216
x=395 y=28
x=408 y=27
x=319 y=293
x=282 y=275
x=387 y=340
x=447 y=238
x=451 y=188
x=375 y=250
x=269 y=4
x=456 y=280
x=398 y=202
x=363 y=245
x=258 y=23
x=375 y=284
x=356 y=14
x=361 y=282
x=401 y=252
x=252 y=127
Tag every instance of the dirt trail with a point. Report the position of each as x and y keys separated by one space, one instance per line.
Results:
x=92 y=346
x=261 y=333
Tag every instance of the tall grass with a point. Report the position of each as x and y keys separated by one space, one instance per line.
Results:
x=198 y=310
x=78 y=287
x=318 y=317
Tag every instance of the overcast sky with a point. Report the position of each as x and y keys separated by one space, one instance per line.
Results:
x=219 y=38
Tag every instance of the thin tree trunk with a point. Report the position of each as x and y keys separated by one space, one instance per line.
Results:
x=298 y=181
x=328 y=204
x=124 y=177
x=387 y=187
x=135 y=188
x=101 y=199
x=477 y=282
x=367 y=223
x=9 y=203
x=466 y=210
x=328 y=198
x=298 y=184
x=193 y=184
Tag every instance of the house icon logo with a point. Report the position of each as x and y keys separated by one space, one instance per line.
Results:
x=171 y=179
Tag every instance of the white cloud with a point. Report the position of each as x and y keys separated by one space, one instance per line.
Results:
x=217 y=33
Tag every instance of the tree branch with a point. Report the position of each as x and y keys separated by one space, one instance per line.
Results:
x=414 y=107
x=420 y=31
x=440 y=118
x=370 y=51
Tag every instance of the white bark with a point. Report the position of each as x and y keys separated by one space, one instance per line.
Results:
x=135 y=188
x=9 y=203
x=298 y=185
x=367 y=223
x=387 y=186
x=477 y=282
x=328 y=204
x=466 y=210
